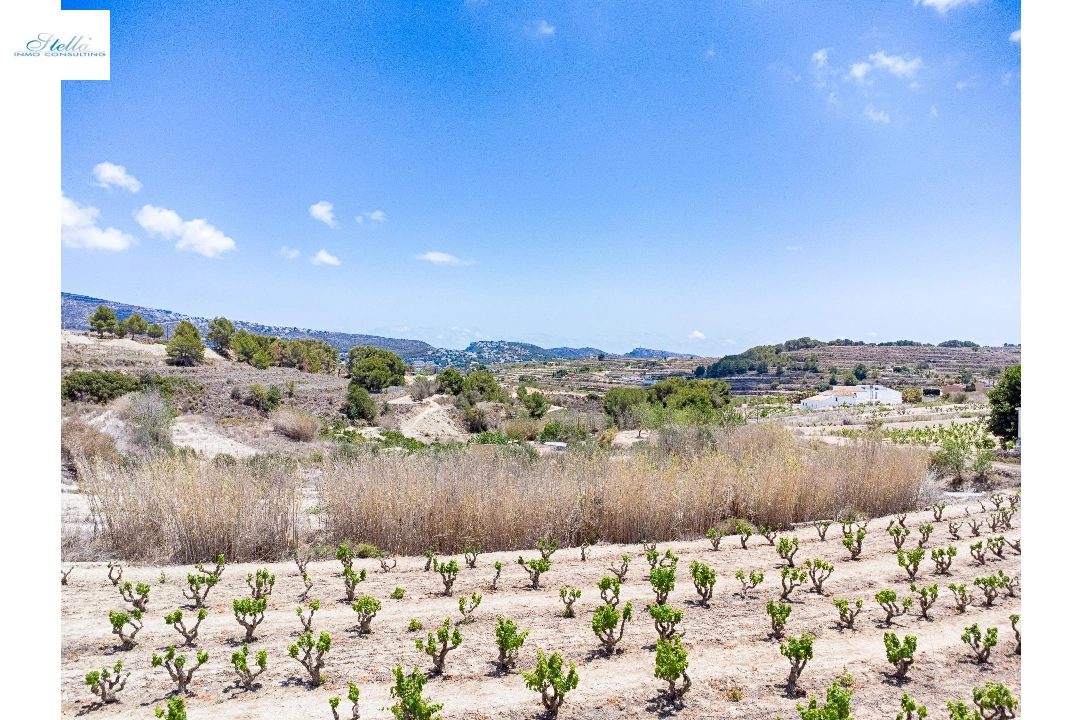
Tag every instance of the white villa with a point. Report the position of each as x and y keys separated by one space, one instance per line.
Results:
x=852 y=395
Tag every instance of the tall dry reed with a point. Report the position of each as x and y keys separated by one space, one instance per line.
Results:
x=407 y=503
x=187 y=510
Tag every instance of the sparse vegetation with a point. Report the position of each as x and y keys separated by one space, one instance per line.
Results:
x=981 y=644
x=900 y=653
x=748 y=581
x=799 y=651
x=105 y=684
x=549 y=679
x=509 y=640
x=847 y=614
x=437 y=646
x=309 y=652
x=246 y=678
x=174 y=665
x=605 y=622
x=779 y=613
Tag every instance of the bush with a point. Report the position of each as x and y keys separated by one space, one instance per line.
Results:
x=779 y=613
x=449 y=572
x=899 y=653
x=836 y=707
x=354 y=696
x=1015 y=619
x=173 y=710
x=534 y=402
x=909 y=706
x=790 y=579
x=704 y=578
x=548 y=678
x=309 y=652
x=366 y=608
x=359 y=404
x=306 y=622
x=665 y=620
x=749 y=581
x=176 y=619
x=605 y=621
x=245 y=677
x=610 y=590
x=438 y=645
x=569 y=595
x=854 y=543
x=185 y=347
x=847 y=615
x=534 y=568
x=106 y=684
x=981 y=645
x=79 y=441
x=942 y=559
x=352 y=579
x=262 y=399
x=296 y=424
x=799 y=652
x=151 y=417
x=888 y=600
x=926 y=596
x=119 y=620
x=509 y=641
x=411 y=705
x=374 y=369
x=745 y=531
x=261 y=583
x=910 y=560
x=249 y=613
x=174 y=665
x=96 y=387
x=993 y=702
x=787 y=548
x=818 y=572
x=670 y=665
x=466 y=606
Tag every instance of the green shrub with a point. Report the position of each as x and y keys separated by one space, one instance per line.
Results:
x=909 y=707
x=249 y=613
x=1015 y=619
x=665 y=620
x=509 y=641
x=373 y=369
x=993 y=702
x=534 y=568
x=790 y=579
x=415 y=625
x=411 y=705
x=745 y=531
x=990 y=586
x=799 y=652
x=438 y=645
x=498 y=566
x=174 y=665
x=354 y=696
x=261 y=583
x=548 y=678
x=818 y=572
x=306 y=622
x=176 y=619
x=898 y=534
x=663 y=581
x=787 y=547
x=926 y=597
x=470 y=552
x=185 y=347
x=854 y=543
x=605 y=622
x=821 y=528
x=670 y=665
x=962 y=597
x=888 y=600
x=714 y=536
x=942 y=558
x=937 y=510
x=309 y=652
x=569 y=595
x=351 y=580
x=910 y=560
x=398 y=593
x=359 y=404
x=836 y=707
x=899 y=653
x=119 y=620
x=620 y=571
x=546 y=548
x=981 y=644
x=96 y=387
x=173 y=710
x=106 y=684
x=847 y=615
x=704 y=577
x=245 y=677
x=768 y=532
x=977 y=551
x=610 y=590
x=749 y=581
x=779 y=613
x=366 y=608
x=138 y=597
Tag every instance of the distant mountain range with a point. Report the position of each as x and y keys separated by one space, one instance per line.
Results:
x=76 y=309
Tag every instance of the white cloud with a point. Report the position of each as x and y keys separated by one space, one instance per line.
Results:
x=289 y=253
x=79 y=229
x=375 y=216
x=933 y=112
x=833 y=99
x=857 y=71
x=324 y=212
x=944 y=5
x=819 y=57
x=874 y=115
x=1016 y=36
x=710 y=52
x=696 y=335
x=963 y=84
x=325 y=258
x=196 y=236
x=441 y=258
x=896 y=64
x=110 y=175
x=543 y=28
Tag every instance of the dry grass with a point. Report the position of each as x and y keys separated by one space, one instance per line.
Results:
x=79 y=440
x=187 y=510
x=406 y=504
x=296 y=424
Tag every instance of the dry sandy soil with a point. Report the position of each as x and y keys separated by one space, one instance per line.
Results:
x=727 y=643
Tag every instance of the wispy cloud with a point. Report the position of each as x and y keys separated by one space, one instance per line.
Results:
x=289 y=253
x=79 y=229
x=375 y=216
x=877 y=116
x=324 y=212
x=196 y=236
x=896 y=64
x=1016 y=36
x=110 y=175
x=858 y=70
x=544 y=29
x=325 y=258
x=696 y=335
x=942 y=6
x=819 y=57
x=441 y=258
x=710 y=52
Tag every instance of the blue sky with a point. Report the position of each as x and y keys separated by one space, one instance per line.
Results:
x=698 y=177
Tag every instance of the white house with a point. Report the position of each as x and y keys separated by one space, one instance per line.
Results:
x=852 y=395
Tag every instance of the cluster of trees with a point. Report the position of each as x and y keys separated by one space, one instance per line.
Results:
x=1005 y=399
x=671 y=399
x=473 y=387
x=104 y=320
x=263 y=351
x=370 y=370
